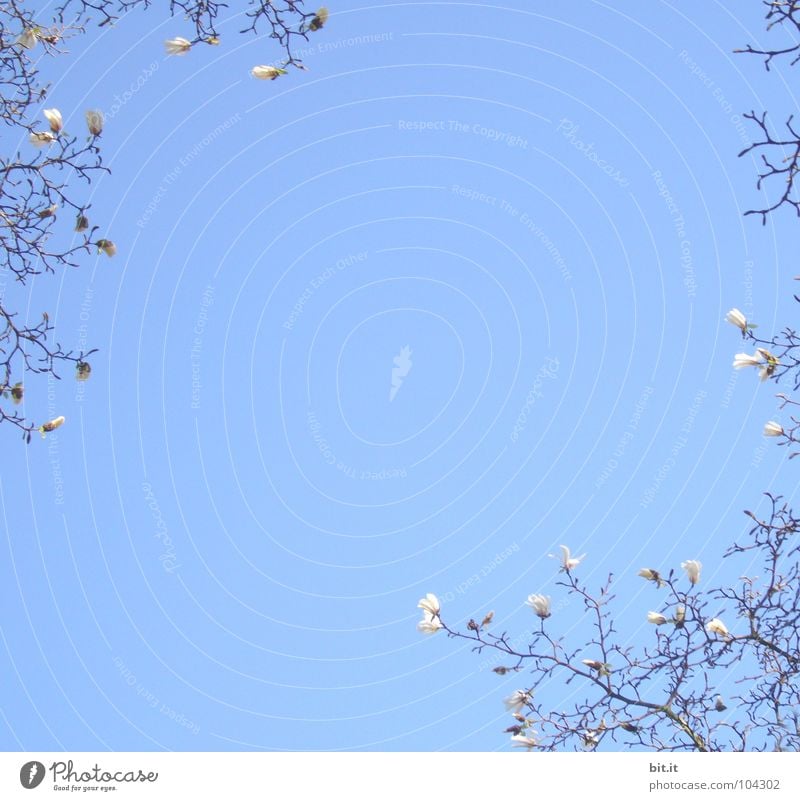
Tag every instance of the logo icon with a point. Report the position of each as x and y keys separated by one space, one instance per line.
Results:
x=31 y=774
x=402 y=367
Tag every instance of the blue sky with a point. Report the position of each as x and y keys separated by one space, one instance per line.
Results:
x=224 y=545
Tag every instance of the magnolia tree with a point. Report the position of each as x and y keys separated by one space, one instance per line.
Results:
x=663 y=695
x=45 y=223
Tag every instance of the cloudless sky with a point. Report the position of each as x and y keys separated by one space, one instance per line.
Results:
x=224 y=546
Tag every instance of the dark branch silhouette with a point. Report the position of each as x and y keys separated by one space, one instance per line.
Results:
x=780 y=159
x=779 y=12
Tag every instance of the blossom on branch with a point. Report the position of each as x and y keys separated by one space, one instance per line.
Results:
x=177 y=46
x=744 y=360
x=517 y=700
x=540 y=605
x=735 y=317
x=692 y=568
x=106 y=246
x=50 y=211
x=41 y=138
x=429 y=624
x=53 y=116
x=429 y=604
x=523 y=741
x=266 y=72
x=568 y=561
x=28 y=38
x=771 y=363
x=52 y=425
x=716 y=626
x=603 y=668
x=651 y=575
x=94 y=121
x=773 y=429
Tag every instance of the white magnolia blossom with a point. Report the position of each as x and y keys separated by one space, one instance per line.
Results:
x=735 y=317
x=651 y=575
x=603 y=668
x=719 y=704
x=517 y=700
x=568 y=561
x=773 y=429
x=41 y=138
x=771 y=363
x=429 y=624
x=523 y=741
x=656 y=618
x=744 y=360
x=28 y=38
x=52 y=425
x=590 y=738
x=266 y=72
x=94 y=121
x=692 y=568
x=49 y=211
x=540 y=605
x=429 y=604
x=716 y=626
x=178 y=46
x=106 y=246
x=53 y=116
x=680 y=615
